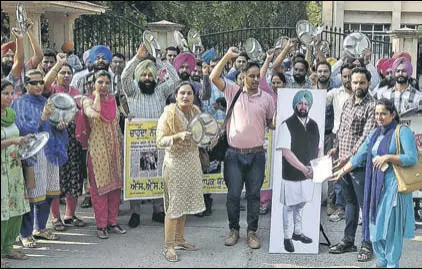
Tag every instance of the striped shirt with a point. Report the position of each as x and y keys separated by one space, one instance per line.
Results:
x=147 y=106
x=357 y=121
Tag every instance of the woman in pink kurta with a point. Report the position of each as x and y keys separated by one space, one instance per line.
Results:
x=105 y=164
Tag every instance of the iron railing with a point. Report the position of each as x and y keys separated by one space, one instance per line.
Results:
x=267 y=36
x=119 y=34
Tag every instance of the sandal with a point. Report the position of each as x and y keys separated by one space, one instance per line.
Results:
x=43 y=234
x=365 y=254
x=102 y=233
x=16 y=255
x=116 y=229
x=75 y=221
x=170 y=254
x=28 y=242
x=186 y=246
x=58 y=225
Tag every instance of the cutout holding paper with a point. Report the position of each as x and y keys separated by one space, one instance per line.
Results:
x=296 y=200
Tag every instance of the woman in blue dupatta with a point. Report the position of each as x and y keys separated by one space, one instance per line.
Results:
x=388 y=215
x=31 y=117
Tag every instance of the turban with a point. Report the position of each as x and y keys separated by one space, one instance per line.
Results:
x=145 y=65
x=402 y=54
x=300 y=95
x=208 y=55
x=380 y=63
x=185 y=57
x=386 y=65
x=8 y=46
x=85 y=56
x=97 y=50
x=331 y=60
x=67 y=46
x=405 y=62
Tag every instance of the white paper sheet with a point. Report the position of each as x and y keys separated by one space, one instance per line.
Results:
x=322 y=168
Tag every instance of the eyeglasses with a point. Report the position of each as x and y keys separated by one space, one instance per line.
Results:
x=36 y=82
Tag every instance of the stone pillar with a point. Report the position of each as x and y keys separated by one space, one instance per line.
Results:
x=163 y=32
x=396 y=15
x=338 y=14
x=406 y=39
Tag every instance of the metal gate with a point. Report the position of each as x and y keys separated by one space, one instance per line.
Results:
x=222 y=41
x=119 y=34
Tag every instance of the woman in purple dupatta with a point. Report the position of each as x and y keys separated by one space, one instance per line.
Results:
x=31 y=117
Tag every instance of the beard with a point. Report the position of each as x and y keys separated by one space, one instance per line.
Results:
x=302 y=113
x=101 y=66
x=147 y=87
x=323 y=80
x=361 y=93
x=184 y=76
x=298 y=78
x=402 y=79
x=196 y=78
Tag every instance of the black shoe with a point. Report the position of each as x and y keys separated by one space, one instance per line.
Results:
x=134 y=221
x=288 y=245
x=86 y=203
x=342 y=247
x=208 y=212
x=158 y=217
x=200 y=215
x=302 y=238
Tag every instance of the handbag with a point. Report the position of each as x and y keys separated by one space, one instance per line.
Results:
x=219 y=148
x=409 y=178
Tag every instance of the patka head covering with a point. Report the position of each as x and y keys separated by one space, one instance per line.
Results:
x=402 y=54
x=303 y=94
x=68 y=46
x=208 y=55
x=145 y=65
x=405 y=62
x=97 y=50
x=184 y=57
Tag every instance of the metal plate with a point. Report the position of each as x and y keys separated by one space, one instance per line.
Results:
x=21 y=17
x=203 y=128
x=34 y=145
x=355 y=43
x=64 y=108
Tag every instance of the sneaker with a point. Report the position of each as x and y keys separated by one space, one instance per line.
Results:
x=337 y=216
x=253 y=241
x=232 y=239
x=263 y=210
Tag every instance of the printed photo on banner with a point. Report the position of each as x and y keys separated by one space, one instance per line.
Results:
x=143 y=161
x=299 y=138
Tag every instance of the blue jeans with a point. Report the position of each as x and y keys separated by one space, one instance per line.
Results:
x=248 y=169
x=339 y=195
x=353 y=187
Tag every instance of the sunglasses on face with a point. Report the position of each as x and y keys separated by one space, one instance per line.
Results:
x=36 y=82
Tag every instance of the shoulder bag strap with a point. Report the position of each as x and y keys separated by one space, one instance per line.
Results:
x=230 y=111
x=398 y=150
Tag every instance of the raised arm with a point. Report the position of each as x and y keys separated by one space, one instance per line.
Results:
x=277 y=63
x=92 y=109
x=52 y=74
x=215 y=76
x=264 y=68
x=18 y=62
x=128 y=72
x=38 y=54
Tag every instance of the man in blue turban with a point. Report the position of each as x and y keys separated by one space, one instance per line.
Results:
x=299 y=143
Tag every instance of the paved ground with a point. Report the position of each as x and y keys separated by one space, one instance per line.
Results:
x=141 y=247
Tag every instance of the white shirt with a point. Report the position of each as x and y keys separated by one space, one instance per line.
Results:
x=337 y=97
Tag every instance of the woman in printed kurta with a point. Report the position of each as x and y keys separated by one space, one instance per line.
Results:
x=71 y=181
x=14 y=201
x=32 y=117
x=387 y=214
x=182 y=173
x=105 y=162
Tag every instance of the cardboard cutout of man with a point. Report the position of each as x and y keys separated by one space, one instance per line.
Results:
x=299 y=145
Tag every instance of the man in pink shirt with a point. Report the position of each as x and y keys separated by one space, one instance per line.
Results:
x=245 y=159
